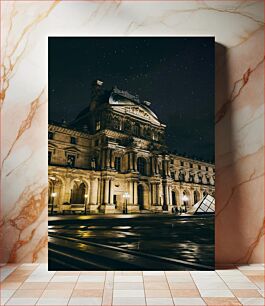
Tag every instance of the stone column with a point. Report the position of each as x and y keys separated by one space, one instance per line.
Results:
x=131 y=160
x=107 y=158
x=112 y=158
x=166 y=194
x=151 y=194
x=170 y=198
x=181 y=198
x=109 y=207
x=93 y=195
x=157 y=166
x=93 y=191
x=106 y=191
x=57 y=189
x=111 y=191
x=67 y=193
x=157 y=193
x=165 y=167
x=153 y=166
x=135 y=202
x=130 y=200
x=170 y=194
x=100 y=188
x=154 y=193
x=161 y=198
x=168 y=168
x=135 y=161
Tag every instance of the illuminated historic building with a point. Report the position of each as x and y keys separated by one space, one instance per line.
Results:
x=112 y=158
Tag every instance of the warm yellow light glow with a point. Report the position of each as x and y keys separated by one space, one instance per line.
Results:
x=54 y=194
x=126 y=195
x=185 y=198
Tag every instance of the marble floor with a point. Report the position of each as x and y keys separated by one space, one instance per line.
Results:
x=33 y=284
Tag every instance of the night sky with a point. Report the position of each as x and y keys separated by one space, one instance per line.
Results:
x=175 y=74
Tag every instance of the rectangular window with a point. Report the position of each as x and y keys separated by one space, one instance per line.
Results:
x=49 y=157
x=73 y=140
x=199 y=167
x=117 y=163
x=206 y=168
x=71 y=160
x=191 y=165
x=96 y=142
x=182 y=163
x=50 y=135
x=136 y=130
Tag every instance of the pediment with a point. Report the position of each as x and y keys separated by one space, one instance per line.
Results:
x=138 y=111
x=72 y=149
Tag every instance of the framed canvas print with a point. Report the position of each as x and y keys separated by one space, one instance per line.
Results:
x=131 y=153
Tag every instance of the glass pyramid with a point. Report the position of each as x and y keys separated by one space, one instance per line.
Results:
x=205 y=205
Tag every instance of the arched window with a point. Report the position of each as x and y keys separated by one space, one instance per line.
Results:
x=174 y=200
x=78 y=194
x=196 y=196
x=181 y=176
x=141 y=165
x=185 y=201
x=140 y=196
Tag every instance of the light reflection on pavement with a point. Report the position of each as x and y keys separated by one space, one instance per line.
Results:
x=190 y=239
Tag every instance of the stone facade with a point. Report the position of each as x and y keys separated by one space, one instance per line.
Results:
x=116 y=147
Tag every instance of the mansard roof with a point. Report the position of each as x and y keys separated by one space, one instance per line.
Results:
x=118 y=97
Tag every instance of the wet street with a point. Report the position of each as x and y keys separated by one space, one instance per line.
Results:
x=131 y=242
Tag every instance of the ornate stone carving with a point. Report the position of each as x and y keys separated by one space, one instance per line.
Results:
x=137 y=111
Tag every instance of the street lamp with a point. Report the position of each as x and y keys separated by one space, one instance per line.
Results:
x=53 y=195
x=185 y=200
x=126 y=196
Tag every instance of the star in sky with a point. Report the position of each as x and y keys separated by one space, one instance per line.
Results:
x=176 y=74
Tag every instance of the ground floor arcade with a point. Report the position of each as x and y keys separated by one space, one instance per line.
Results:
x=111 y=192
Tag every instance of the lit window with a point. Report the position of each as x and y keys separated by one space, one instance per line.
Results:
x=97 y=125
x=71 y=160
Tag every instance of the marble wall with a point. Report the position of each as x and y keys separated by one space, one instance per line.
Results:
x=238 y=28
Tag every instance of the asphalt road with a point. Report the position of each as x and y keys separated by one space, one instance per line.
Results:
x=131 y=242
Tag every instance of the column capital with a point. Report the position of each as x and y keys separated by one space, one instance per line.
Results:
x=94 y=177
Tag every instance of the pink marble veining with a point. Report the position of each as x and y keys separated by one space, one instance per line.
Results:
x=240 y=153
x=238 y=27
